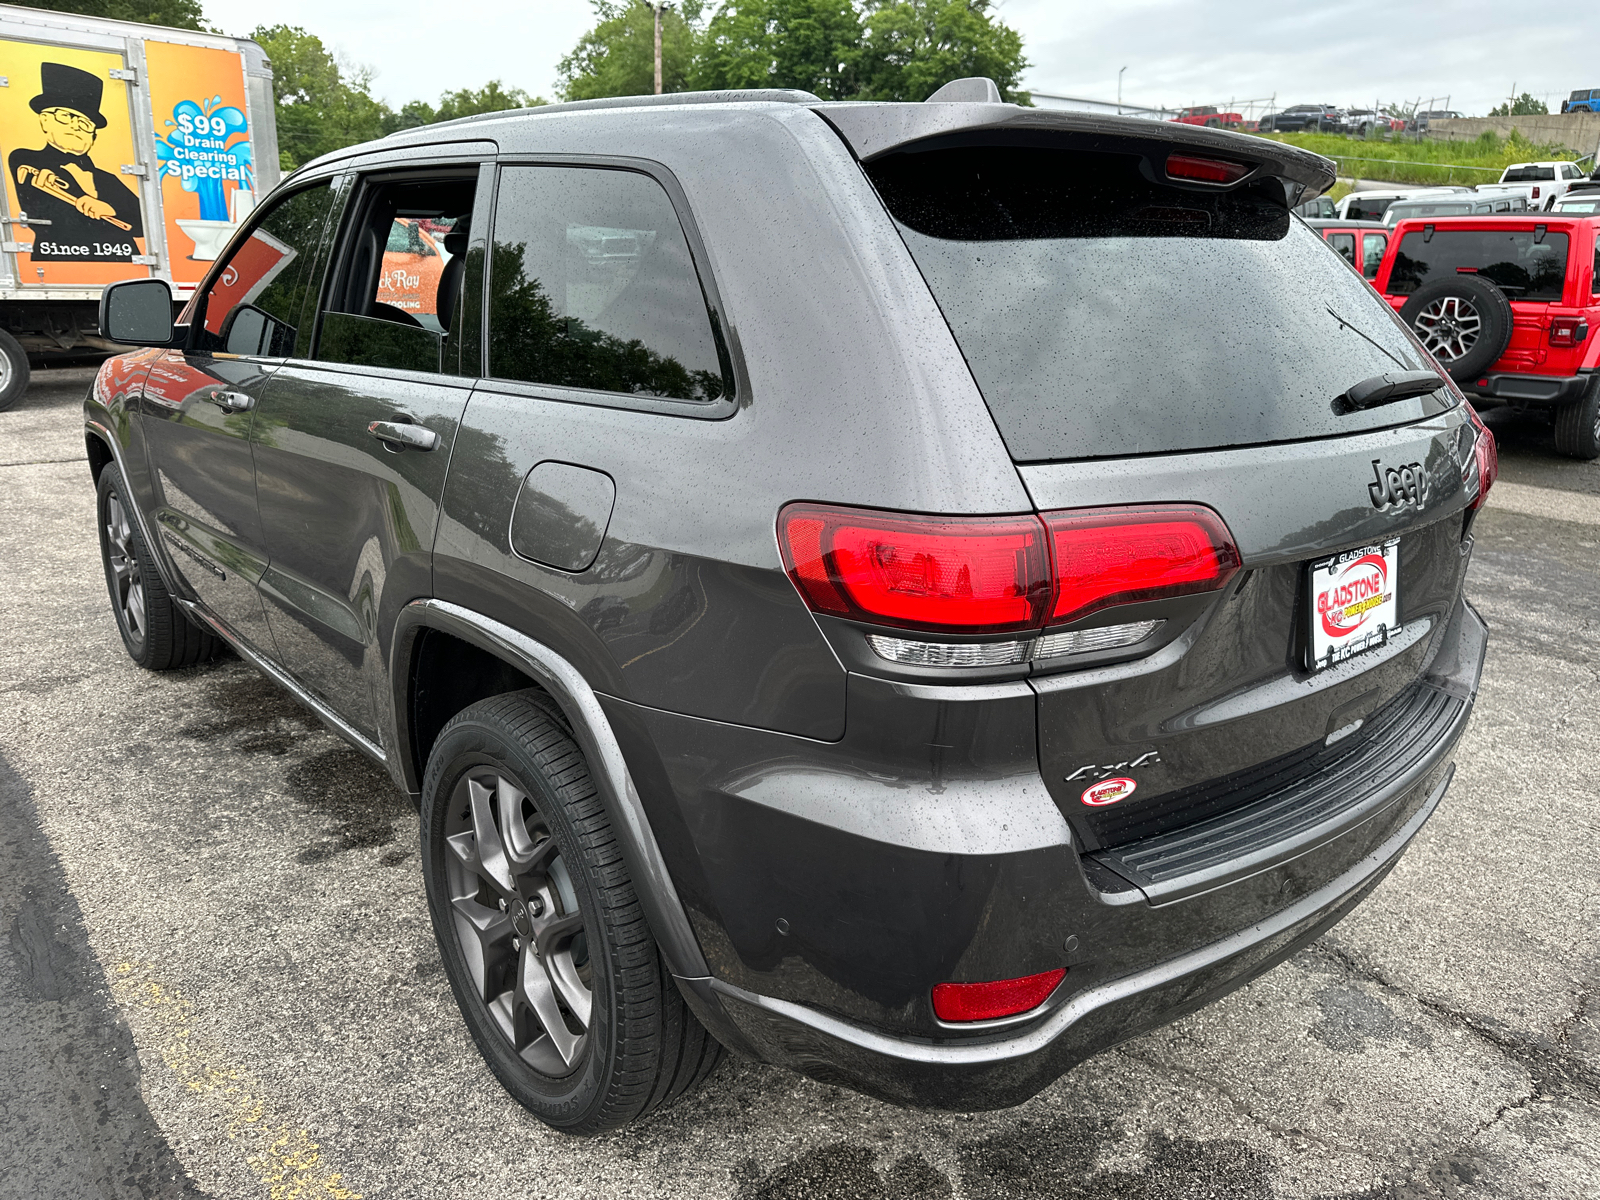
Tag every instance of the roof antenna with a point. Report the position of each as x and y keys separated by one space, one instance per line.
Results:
x=975 y=89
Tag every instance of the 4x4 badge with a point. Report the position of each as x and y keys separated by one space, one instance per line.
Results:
x=1095 y=771
x=1398 y=486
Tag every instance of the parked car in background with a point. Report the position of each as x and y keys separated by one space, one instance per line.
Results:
x=1319 y=118
x=1508 y=307
x=1583 y=100
x=1372 y=205
x=1209 y=116
x=1419 y=123
x=1538 y=182
x=775 y=660
x=1361 y=242
x=1364 y=121
x=1587 y=201
x=1318 y=207
x=1454 y=206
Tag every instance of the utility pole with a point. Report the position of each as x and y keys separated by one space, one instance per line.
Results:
x=1119 y=91
x=658 y=8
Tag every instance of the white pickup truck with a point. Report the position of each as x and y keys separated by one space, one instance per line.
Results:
x=1538 y=182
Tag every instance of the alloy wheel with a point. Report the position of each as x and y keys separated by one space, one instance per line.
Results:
x=127 y=581
x=1449 y=327
x=516 y=920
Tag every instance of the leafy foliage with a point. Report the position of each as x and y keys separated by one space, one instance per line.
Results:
x=1434 y=162
x=839 y=49
x=176 y=14
x=465 y=102
x=1523 y=106
x=322 y=105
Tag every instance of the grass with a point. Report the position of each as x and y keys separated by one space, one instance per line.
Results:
x=1479 y=161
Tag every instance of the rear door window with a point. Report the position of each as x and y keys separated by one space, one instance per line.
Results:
x=1527 y=264
x=1372 y=247
x=1102 y=314
x=592 y=286
x=1345 y=244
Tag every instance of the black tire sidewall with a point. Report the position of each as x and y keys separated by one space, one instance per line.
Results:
x=476 y=739
x=1495 y=312
x=17 y=358
x=1575 y=432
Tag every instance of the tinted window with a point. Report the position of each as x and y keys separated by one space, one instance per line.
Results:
x=1526 y=264
x=1102 y=314
x=1528 y=175
x=397 y=300
x=1345 y=244
x=255 y=303
x=1367 y=210
x=592 y=286
x=1372 y=248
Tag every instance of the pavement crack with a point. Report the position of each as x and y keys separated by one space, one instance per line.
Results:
x=1554 y=1071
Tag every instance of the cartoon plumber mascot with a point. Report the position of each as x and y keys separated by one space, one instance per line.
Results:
x=93 y=215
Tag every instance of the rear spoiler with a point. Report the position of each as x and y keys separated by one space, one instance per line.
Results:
x=873 y=130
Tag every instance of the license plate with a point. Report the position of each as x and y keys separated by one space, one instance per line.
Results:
x=1355 y=602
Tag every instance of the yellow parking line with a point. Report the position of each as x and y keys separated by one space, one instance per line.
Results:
x=282 y=1156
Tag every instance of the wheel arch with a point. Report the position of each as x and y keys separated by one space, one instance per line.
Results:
x=503 y=659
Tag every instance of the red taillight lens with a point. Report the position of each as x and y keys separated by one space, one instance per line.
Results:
x=1000 y=574
x=990 y=1001
x=1205 y=170
x=1568 y=331
x=1121 y=555
x=972 y=574
x=1486 y=457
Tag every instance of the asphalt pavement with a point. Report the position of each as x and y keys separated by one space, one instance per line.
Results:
x=218 y=977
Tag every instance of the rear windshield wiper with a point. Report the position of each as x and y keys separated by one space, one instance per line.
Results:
x=1386 y=389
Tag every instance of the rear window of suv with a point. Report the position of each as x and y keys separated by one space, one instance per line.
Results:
x=1105 y=315
x=1527 y=264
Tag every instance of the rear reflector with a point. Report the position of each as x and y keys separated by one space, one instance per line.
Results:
x=998 y=574
x=1113 y=556
x=990 y=1001
x=1205 y=170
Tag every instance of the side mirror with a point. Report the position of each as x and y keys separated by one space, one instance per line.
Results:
x=137 y=312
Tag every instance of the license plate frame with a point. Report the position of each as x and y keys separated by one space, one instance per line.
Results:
x=1354 y=603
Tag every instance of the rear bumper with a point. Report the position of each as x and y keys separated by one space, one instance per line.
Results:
x=1529 y=389
x=1145 y=959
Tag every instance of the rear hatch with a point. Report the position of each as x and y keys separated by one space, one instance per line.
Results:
x=1143 y=340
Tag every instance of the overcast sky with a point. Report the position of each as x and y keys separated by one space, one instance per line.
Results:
x=1177 y=51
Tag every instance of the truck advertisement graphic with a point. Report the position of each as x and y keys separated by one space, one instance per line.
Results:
x=130 y=151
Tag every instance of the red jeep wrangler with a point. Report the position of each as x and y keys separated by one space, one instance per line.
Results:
x=1209 y=115
x=1508 y=306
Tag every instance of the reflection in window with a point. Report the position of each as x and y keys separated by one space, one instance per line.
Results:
x=592 y=286
x=1372 y=247
x=255 y=302
x=1526 y=264
x=1345 y=244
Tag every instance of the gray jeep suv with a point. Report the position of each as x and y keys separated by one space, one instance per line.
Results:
x=916 y=593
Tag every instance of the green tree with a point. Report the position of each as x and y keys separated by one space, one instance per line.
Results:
x=617 y=57
x=176 y=14
x=806 y=44
x=321 y=104
x=914 y=47
x=1523 y=106
x=465 y=102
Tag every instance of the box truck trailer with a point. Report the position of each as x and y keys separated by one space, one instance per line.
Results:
x=131 y=151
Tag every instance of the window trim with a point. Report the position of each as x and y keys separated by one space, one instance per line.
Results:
x=724 y=330
x=193 y=314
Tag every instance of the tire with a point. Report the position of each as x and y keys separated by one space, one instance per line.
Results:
x=589 y=1032
x=156 y=632
x=14 y=370
x=1464 y=322
x=1578 y=425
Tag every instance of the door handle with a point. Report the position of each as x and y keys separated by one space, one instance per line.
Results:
x=232 y=401
x=401 y=436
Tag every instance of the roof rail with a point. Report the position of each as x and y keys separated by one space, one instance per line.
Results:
x=730 y=96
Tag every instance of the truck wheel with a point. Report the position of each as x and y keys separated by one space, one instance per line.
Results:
x=1578 y=424
x=157 y=634
x=543 y=939
x=1465 y=323
x=13 y=370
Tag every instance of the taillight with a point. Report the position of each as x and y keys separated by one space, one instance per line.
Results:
x=1205 y=170
x=966 y=574
x=1568 y=331
x=1485 y=463
x=1536 y=191
x=1113 y=556
x=990 y=1001
x=973 y=575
